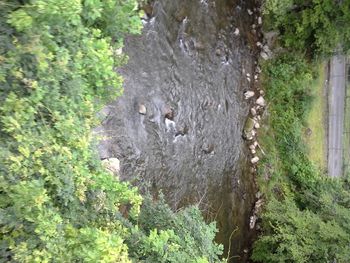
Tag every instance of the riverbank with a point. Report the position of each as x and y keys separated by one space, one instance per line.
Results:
x=315 y=131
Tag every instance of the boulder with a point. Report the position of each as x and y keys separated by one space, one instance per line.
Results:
x=261 y=101
x=112 y=165
x=248 y=128
x=248 y=94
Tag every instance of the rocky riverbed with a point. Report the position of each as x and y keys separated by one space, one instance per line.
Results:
x=190 y=83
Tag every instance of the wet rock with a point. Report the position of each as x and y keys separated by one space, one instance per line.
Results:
x=199 y=45
x=248 y=94
x=142 y=109
x=112 y=165
x=261 y=101
x=168 y=112
x=180 y=15
x=208 y=148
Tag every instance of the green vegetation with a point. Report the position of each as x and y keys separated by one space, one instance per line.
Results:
x=315 y=134
x=315 y=26
x=307 y=215
x=57 y=204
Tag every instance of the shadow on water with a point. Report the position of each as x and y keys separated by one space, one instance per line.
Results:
x=177 y=127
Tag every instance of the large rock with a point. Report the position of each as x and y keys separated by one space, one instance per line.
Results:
x=248 y=130
x=112 y=165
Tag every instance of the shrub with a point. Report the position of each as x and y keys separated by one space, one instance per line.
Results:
x=57 y=204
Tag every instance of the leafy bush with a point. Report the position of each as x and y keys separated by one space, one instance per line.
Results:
x=313 y=25
x=307 y=216
x=57 y=204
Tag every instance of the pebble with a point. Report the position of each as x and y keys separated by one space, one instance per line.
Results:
x=248 y=94
x=254 y=160
x=257 y=125
x=253 y=111
x=250 y=12
x=142 y=109
x=236 y=32
x=261 y=101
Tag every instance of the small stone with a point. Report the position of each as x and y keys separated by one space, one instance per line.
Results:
x=250 y=12
x=248 y=79
x=259 y=20
x=254 y=160
x=252 y=221
x=248 y=94
x=248 y=75
x=252 y=147
x=262 y=92
x=253 y=111
x=261 y=101
x=218 y=52
x=253 y=26
x=255 y=143
x=142 y=109
x=255 y=77
x=253 y=151
x=236 y=33
x=264 y=55
x=258 y=44
x=257 y=125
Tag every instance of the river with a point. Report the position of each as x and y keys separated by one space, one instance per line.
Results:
x=178 y=125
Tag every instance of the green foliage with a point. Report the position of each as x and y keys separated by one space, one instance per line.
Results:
x=181 y=237
x=307 y=217
x=314 y=25
x=57 y=203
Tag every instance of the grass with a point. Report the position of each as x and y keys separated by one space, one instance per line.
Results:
x=315 y=135
x=346 y=136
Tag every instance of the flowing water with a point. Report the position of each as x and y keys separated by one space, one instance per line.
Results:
x=187 y=73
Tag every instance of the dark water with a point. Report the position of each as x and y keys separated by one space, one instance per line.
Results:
x=188 y=66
